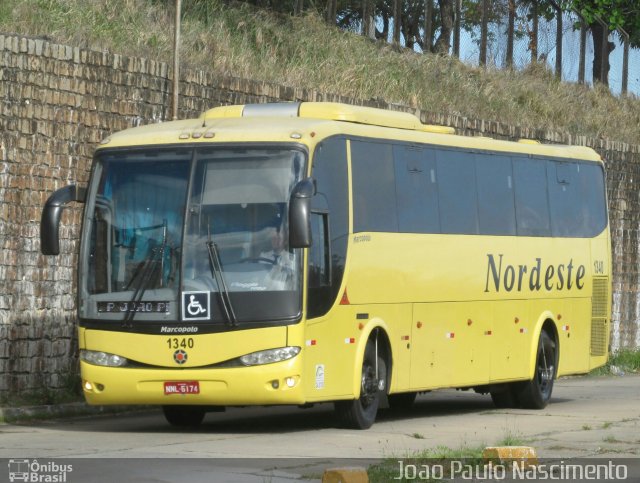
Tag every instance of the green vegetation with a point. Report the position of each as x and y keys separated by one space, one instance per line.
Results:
x=611 y=439
x=512 y=439
x=624 y=361
x=389 y=469
x=243 y=41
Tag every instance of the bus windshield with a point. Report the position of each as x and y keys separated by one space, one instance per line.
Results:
x=208 y=223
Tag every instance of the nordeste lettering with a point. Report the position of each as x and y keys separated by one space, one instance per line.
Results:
x=534 y=277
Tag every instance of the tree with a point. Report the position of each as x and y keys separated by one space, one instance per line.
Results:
x=447 y=12
x=603 y=15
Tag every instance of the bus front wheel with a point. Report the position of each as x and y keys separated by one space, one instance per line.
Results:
x=184 y=416
x=536 y=393
x=361 y=413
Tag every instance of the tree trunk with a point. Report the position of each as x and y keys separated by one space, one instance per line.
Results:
x=397 y=18
x=484 y=32
x=332 y=10
x=601 y=53
x=443 y=44
x=427 y=44
x=533 y=35
x=510 y=33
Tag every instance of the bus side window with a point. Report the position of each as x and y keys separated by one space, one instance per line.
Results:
x=320 y=297
x=532 y=201
x=330 y=225
x=416 y=189
x=496 y=209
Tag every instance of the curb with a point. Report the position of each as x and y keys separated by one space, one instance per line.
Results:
x=60 y=411
x=354 y=474
x=525 y=456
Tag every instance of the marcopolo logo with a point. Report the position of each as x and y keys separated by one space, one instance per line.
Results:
x=37 y=472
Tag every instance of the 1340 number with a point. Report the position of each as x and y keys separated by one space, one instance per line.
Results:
x=180 y=343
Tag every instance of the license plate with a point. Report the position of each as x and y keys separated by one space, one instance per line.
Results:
x=181 y=387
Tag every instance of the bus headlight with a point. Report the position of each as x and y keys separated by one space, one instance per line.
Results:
x=102 y=358
x=269 y=356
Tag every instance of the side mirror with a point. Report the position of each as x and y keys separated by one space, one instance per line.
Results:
x=300 y=213
x=51 y=213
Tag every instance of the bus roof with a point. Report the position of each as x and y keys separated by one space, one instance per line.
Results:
x=309 y=122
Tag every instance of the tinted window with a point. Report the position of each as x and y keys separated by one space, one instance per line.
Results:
x=496 y=209
x=532 y=207
x=374 y=189
x=592 y=188
x=331 y=205
x=456 y=178
x=565 y=201
x=415 y=170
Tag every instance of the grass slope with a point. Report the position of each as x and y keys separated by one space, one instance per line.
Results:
x=246 y=42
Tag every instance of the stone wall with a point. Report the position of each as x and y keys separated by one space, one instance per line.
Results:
x=56 y=104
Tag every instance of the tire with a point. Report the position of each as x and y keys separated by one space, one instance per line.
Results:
x=402 y=401
x=361 y=413
x=184 y=416
x=505 y=397
x=536 y=393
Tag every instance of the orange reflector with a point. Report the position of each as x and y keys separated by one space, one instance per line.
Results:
x=345 y=298
x=451 y=335
x=565 y=327
x=350 y=340
x=404 y=337
x=311 y=342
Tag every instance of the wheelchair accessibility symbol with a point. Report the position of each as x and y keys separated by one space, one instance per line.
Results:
x=195 y=306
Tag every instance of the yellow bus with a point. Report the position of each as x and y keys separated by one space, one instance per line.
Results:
x=299 y=253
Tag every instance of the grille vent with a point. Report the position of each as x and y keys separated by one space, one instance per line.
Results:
x=599 y=316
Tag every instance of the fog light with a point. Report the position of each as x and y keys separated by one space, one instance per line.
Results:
x=290 y=381
x=275 y=384
x=88 y=386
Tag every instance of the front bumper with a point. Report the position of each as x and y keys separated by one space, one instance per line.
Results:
x=268 y=384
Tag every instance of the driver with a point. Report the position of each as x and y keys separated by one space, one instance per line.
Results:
x=280 y=277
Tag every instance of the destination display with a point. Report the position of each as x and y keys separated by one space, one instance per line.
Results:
x=153 y=307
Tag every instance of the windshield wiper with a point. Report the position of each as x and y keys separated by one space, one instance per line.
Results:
x=143 y=274
x=216 y=270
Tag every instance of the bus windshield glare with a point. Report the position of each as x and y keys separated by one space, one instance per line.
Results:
x=212 y=221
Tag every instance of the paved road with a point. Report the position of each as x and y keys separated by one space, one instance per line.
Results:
x=587 y=417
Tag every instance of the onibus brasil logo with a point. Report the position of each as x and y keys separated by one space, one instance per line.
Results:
x=33 y=471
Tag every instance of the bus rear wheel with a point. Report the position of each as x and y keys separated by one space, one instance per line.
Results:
x=184 y=416
x=536 y=393
x=361 y=413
